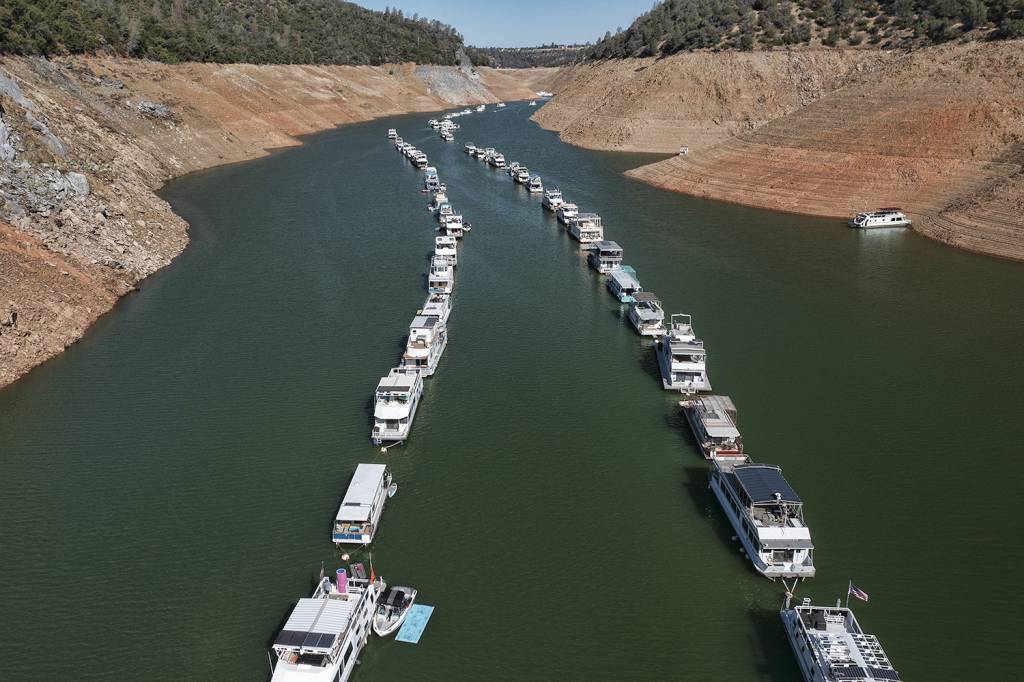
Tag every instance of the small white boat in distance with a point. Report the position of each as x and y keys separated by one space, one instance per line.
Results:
x=682 y=358
x=882 y=217
x=420 y=160
x=713 y=422
x=392 y=608
x=441 y=279
x=500 y=105
x=587 y=230
x=392 y=133
x=428 y=338
x=438 y=305
x=399 y=143
x=359 y=514
x=395 y=402
x=566 y=212
x=497 y=160
x=623 y=284
x=481 y=108
x=830 y=645
x=434 y=123
x=606 y=256
x=447 y=136
x=522 y=175
x=646 y=315
x=767 y=516
x=535 y=185
x=552 y=200
x=533 y=103
x=322 y=638
x=469 y=148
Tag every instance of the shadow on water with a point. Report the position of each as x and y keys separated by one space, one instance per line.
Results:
x=695 y=484
x=773 y=658
x=648 y=361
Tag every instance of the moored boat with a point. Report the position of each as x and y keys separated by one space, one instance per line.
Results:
x=497 y=160
x=392 y=133
x=392 y=608
x=437 y=305
x=646 y=315
x=623 y=283
x=535 y=185
x=441 y=278
x=606 y=256
x=359 y=514
x=395 y=402
x=428 y=337
x=522 y=175
x=552 y=200
x=322 y=638
x=469 y=148
x=712 y=419
x=566 y=212
x=882 y=217
x=682 y=358
x=447 y=246
x=586 y=228
x=453 y=226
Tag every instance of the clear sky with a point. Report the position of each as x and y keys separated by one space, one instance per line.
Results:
x=523 y=23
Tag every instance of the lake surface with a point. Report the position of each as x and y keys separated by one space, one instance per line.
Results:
x=167 y=485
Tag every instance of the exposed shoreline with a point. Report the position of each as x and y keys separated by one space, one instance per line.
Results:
x=91 y=141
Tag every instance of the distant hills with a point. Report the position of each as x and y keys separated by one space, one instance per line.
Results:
x=228 y=31
x=680 y=25
x=526 y=57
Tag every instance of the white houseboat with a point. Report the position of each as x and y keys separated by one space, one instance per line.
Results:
x=766 y=514
x=566 y=212
x=623 y=284
x=453 y=226
x=830 y=645
x=682 y=358
x=586 y=228
x=447 y=136
x=322 y=638
x=395 y=402
x=392 y=133
x=439 y=200
x=437 y=305
x=441 y=278
x=646 y=315
x=469 y=148
x=552 y=200
x=882 y=217
x=535 y=185
x=497 y=160
x=522 y=175
x=606 y=256
x=428 y=337
x=420 y=160
x=712 y=419
x=447 y=246
x=359 y=514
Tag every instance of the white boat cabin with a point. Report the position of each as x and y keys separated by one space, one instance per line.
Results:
x=606 y=256
x=359 y=514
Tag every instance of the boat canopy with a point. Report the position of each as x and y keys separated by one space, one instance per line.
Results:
x=315 y=624
x=626 y=280
x=365 y=485
x=761 y=482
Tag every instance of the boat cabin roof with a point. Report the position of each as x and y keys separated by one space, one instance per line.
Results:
x=396 y=382
x=424 y=322
x=646 y=297
x=625 y=279
x=715 y=414
x=366 y=482
x=762 y=482
x=604 y=244
x=316 y=624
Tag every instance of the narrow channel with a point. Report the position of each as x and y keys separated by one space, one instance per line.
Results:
x=170 y=481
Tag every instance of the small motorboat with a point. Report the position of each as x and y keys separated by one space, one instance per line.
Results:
x=392 y=609
x=392 y=489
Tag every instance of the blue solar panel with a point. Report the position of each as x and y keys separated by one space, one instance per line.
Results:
x=761 y=482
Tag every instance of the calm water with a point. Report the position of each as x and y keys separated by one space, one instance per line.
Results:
x=167 y=485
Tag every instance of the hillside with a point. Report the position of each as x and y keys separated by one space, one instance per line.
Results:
x=679 y=25
x=938 y=131
x=240 y=31
x=526 y=57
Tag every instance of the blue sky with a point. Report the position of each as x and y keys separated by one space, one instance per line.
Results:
x=520 y=23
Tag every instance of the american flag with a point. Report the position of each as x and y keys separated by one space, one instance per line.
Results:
x=857 y=592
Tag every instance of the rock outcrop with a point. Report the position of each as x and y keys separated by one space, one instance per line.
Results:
x=85 y=142
x=937 y=131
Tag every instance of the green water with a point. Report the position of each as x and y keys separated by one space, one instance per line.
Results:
x=167 y=485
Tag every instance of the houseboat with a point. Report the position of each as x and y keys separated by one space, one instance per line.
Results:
x=481 y=108
x=428 y=337
x=488 y=153
x=447 y=246
x=712 y=419
x=882 y=217
x=447 y=136
x=392 y=133
x=586 y=229
x=434 y=123
x=439 y=200
x=830 y=645
x=535 y=185
x=453 y=226
x=322 y=638
x=469 y=148
x=441 y=279
x=399 y=143
x=552 y=200
x=359 y=514
x=606 y=256
x=623 y=284
x=682 y=358
x=766 y=514
x=420 y=160
x=522 y=175
x=566 y=212
x=646 y=315
x=437 y=305
x=395 y=402
x=497 y=160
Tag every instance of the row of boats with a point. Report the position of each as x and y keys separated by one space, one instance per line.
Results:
x=764 y=510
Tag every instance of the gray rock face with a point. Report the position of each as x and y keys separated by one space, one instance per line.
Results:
x=6 y=143
x=154 y=109
x=10 y=89
x=51 y=141
x=78 y=182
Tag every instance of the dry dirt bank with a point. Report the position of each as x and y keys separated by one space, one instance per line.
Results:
x=85 y=142
x=938 y=132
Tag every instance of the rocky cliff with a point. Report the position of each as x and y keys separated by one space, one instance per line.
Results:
x=85 y=142
x=938 y=131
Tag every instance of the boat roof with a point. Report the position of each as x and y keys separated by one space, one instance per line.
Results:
x=839 y=643
x=625 y=279
x=762 y=481
x=423 y=321
x=396 y=381
x=316 y=623
x=714 y=415
x=604 y=244
x=366 y=481
x=643 y=296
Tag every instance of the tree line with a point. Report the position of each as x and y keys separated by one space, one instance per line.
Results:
x=526 y=57
x=678 y=25
x=225 y=31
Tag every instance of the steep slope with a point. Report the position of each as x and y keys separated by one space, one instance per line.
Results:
x=84 y=142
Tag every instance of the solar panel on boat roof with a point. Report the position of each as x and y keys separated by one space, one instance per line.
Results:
x=884 y=674
x=290 y=638
x=761 y=483
x=853 y=672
